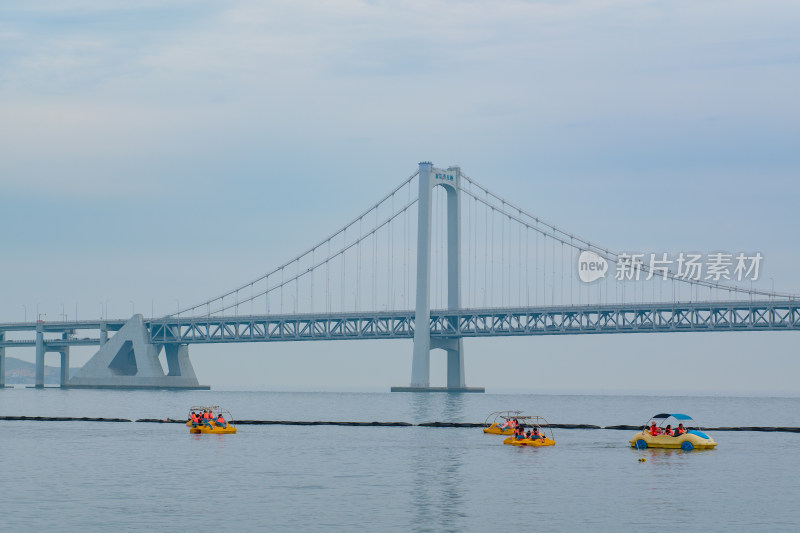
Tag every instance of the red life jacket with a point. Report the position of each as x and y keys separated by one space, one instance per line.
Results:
x=195 y=419
x=654 y=430
x=680 y=430
x=668 y=431
x=220 y=420
x=206 y=415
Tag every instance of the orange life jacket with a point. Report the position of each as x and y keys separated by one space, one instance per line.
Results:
x=220 y=420
x=668 y=431
x=654 y=430
x=195 y=419
x=680 y=430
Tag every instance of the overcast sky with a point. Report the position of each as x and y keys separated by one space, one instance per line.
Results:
x=157 y=153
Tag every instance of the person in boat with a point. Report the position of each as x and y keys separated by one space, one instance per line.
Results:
x=195 y=419
x=535 y=434
x=680 y=430
x=654 y=429
x=668 y=431
x=207 y=419
x=519 y=433
x=221 y=422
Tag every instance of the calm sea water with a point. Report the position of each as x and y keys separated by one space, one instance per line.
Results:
x=84 y=476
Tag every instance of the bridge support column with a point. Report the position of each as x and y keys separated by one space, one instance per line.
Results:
x=39 y=380
x=421 y=362
x=2 y=361
x=65 y=359
x=178 y=361
x=450 y=179
x=64 y=366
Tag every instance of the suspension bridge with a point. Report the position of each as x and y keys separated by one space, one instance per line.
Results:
x=480 y=266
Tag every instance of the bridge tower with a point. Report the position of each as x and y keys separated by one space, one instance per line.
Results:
x=450 y=179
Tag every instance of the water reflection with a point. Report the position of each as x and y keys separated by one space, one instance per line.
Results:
x=438 y=407
x=438 y=486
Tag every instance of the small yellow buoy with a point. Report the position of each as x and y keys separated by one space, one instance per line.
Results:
x=642 y=459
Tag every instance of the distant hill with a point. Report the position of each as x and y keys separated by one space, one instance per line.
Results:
x=22 y=372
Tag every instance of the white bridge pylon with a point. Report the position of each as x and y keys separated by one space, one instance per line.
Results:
x=429 y=178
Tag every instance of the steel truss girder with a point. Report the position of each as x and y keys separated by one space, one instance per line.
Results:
x=573 y=320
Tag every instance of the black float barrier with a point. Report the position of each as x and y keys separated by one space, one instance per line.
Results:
x=774 y=429
x=64 y=419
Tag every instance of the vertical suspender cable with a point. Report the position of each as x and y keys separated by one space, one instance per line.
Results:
x=485 y=253
x=328 y=279
x=571 y=273
x=536 y=264
x=343 y=268
x=474 y=251
x=553 y=278
x=562 y=273
x=313 y=261
x=527 y=261
x=390 y=255
x=502 y=256
x=390 y=259
x=468 y=233
x=491 y=261
x=405 y=260
x=519 y=256
x=475 y=266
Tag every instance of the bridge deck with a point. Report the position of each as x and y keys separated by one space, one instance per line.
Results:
x=569 y=320
x=561 y=320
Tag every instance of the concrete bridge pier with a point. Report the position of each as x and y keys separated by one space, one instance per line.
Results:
x=129 y=360
x=2 y=361
x=178 y=362
x=40 y=350
x=64 y=352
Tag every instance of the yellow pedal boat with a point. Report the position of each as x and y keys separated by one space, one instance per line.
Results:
x=215 y=428
x=693 y=439
x=529 y=442
x=541 y=426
